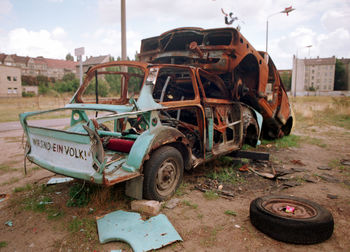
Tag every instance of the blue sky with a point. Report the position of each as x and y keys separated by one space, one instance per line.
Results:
x=53 y=28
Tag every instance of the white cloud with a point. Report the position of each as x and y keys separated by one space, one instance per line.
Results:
x=108 y=41
x=5 y=7
x=35 y=43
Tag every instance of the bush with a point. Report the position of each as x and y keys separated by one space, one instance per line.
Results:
x=28 y=94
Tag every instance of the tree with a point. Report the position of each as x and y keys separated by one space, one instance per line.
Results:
x=339 y=78
x=286 y=80
x=69 y=57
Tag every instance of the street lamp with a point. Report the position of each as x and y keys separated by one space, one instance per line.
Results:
x=286 y=10
x=296 y=68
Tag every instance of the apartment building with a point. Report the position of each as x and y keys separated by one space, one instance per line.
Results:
x=313 y=75
x=10 y=81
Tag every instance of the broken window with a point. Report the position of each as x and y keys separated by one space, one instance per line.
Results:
x=173 y=84
x=213 y=86
x=114 y=82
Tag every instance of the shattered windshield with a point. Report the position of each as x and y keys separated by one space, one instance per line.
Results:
x=113 y=84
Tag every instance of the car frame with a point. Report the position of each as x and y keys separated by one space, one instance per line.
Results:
x=182 y=117
x=250 y=75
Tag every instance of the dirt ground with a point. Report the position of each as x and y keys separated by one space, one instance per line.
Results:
x=205 y=221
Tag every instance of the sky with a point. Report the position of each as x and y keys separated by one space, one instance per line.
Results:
x=53 y=28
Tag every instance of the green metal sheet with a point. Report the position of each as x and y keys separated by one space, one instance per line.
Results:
x=129 y=227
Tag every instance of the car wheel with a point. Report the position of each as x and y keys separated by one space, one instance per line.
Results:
x=163 y=174
x=291 y=219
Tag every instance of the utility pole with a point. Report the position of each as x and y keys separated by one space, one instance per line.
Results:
x=123 y=29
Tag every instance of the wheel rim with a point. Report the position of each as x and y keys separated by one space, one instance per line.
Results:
x=279 y=206
x=167 y=177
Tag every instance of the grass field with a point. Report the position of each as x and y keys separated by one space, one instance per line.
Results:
x=11 y=107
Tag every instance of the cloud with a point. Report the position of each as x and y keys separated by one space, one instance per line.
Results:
x=5 y=7
x=108 y=41
x=35 y=43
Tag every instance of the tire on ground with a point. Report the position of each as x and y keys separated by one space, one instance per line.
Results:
x=163 y=173
x=315 y=228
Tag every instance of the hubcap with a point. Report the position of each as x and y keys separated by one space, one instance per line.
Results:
x=280 y=207
x=167 y=177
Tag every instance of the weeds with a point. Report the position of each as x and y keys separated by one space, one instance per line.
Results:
x=230 y=212
x=211 y=195
x=314 y=141
x=25 y=188
x=285 y=142
x=190 y=204
x=181 y=190
x=3 y=244
x=84 y=225
x=79 y=195
x=228 y=174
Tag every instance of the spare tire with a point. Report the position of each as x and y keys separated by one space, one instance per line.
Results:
x=291 y=219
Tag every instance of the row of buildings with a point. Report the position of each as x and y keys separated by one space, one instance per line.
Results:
x=13 y=67
x=317 y=76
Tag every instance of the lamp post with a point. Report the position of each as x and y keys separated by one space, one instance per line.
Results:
x=286 y=10
x=296 y=68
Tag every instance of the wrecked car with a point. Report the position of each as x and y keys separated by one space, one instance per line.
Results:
x=144 y=124
x=250 y=76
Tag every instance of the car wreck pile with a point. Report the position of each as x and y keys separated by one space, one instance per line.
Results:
x=194 y=95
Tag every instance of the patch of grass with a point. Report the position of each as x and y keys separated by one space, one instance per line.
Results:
x=3 y=244
x=5 y=168
x=200 y=216
x=79 y=195
x=181 y=190
x=54 y=214
x=230 y=212
x=25 y=188
x=211 y=195
x=314 y=141
x=13 y=139
x=284 y=142
x=11 y=181
x=84 y=225
x=228 y=174
x=190 y=204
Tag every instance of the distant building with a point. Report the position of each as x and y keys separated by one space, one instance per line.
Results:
x=58 y=68
x=10 y=81
x=346 y=63
x=313 y=75
x=52 y=68
x=92 y=61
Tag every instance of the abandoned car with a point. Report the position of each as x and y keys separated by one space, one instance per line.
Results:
x=144 y=124
x=250 y=76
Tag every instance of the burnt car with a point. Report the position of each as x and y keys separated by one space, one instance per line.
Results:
x=155 y=121
x=250 y=76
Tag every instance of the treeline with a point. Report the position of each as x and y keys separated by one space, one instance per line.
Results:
x=46 y=85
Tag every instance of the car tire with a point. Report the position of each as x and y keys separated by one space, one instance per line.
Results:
x=163 y=174
x=309 y=223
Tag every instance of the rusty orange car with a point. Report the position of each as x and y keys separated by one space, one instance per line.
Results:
x=250 y=75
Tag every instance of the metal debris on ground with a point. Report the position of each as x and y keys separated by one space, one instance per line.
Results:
x=345 y=162
x=154 y=233
x=9 y=223
x=288 y=184
x=310 y=179
x=3 y=197
x=332 y=196
x=213 y=185
x=325 y=168
x=329 y=178
x=54 y=181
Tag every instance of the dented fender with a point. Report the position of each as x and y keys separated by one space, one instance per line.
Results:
x=149 y=141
